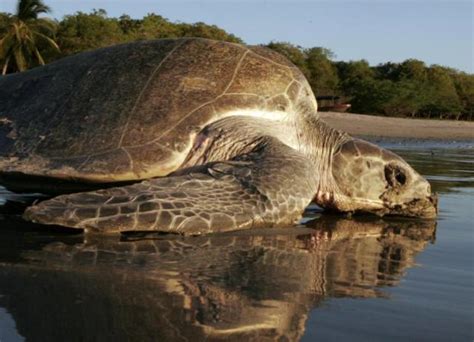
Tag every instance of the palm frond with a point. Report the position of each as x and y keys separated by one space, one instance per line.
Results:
x=29 y=9
x=39 y=57
x=48 y=39
x=44 y=25
x=20 y=59
x=17 y=31
x=5 y=66
x=24 y=38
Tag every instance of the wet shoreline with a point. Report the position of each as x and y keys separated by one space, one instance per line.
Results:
x=330 y=278
x=400 y=128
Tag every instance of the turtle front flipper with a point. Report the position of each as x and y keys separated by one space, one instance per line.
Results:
x=269 y=186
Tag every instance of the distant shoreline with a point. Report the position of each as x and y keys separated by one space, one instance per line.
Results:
x=389 y=127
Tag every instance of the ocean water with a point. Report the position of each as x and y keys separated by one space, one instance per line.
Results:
x=330 y=278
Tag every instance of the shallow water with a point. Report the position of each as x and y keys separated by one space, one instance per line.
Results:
x=329 y=279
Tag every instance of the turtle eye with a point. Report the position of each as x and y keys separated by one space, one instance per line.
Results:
x=394 y=176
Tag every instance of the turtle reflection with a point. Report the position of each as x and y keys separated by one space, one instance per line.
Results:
x=248 y=286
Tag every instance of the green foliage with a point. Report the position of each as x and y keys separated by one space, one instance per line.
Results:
x=315 y=63
x=207 y=31
x=294 y=53
x=352 y=72
x=5 y=20
x=403 y=99
x=369 y=95
x=85 y=31
x=442 y=98
x=323 y=74
x=152 y=26
x=413 y=69
x=464 y=84
x=409 y=89
x=24 y=35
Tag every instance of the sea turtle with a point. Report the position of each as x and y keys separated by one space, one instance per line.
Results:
x=221 y=137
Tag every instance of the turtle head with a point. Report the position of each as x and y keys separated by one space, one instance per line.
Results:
x=368 y=178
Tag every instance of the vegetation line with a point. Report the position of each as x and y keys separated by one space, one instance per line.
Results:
x=407 y=89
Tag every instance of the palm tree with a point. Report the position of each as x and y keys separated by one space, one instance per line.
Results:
x=20 y=41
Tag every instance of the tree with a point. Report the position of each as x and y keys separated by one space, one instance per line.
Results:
x=369 y=95
x=23 y=34
x=85 y=31
x=413 y=69
x=387 y=71
x=128 y=25
x=154 y=26
x=351 y=74
x=354 y=70
x=5 y=19
x=294 y=53
x=464 y=84
x=404 y=98
x=323 y=74
x=409 y=88
x=443 y=100
x=203 y=30
x=408 y=92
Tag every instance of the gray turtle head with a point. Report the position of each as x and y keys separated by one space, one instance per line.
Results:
x=368 y=178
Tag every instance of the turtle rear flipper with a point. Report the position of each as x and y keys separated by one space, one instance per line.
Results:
x=269 y=186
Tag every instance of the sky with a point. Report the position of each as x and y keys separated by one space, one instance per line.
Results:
x=435 y=31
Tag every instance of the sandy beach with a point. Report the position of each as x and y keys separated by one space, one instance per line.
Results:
x=380 y=126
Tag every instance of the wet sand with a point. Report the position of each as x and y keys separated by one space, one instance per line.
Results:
x=380 y=126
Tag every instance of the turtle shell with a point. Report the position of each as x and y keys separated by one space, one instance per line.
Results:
x=131 y=111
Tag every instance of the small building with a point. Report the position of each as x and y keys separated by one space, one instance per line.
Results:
x=331 y=103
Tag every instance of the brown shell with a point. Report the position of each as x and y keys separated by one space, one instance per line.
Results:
x=131 y=111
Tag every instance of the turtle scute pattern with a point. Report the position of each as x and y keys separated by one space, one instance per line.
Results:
x=255 y=189
x=131 y=111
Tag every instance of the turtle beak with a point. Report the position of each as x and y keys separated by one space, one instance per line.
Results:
x=432 y=211
x=423 y=208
